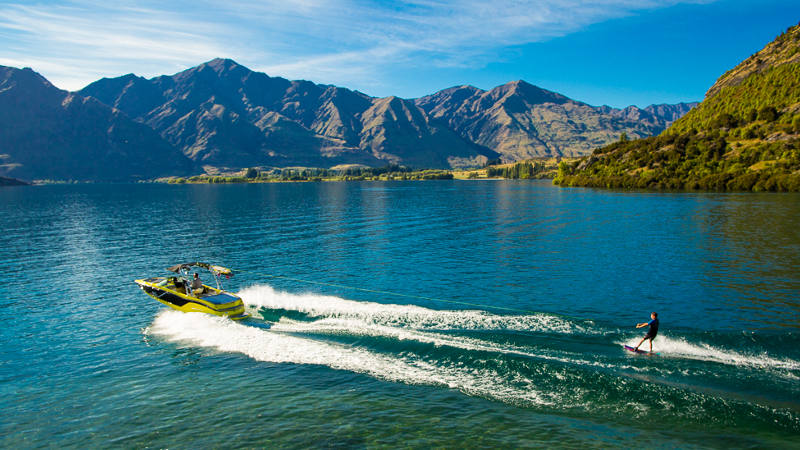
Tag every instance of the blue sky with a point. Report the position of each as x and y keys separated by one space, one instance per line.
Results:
x=615 y=52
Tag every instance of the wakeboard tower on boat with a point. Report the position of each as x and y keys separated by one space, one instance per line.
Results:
x=177 y=293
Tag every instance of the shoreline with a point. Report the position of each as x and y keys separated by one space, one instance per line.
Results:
x=546 y=168
x=531 y=169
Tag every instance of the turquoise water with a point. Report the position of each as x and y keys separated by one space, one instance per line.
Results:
x=519 y=297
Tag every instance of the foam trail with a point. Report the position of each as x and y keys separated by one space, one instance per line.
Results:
x=270 y=346
x=680 y=347
x=355 y=327
x=409 y=316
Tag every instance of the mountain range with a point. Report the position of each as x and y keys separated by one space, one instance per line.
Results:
x=223 y=116
x=520 y=120
x=48 y=133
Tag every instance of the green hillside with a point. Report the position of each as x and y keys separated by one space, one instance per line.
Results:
x=744 y=136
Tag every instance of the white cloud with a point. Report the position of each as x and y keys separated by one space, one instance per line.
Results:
x=72 y=45
x=348 y=42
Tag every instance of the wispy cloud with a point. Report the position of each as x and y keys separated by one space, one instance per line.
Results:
x=74 y=44
x=350 y=42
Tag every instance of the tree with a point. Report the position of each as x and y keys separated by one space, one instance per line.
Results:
x=768 y=114
x=251 y=173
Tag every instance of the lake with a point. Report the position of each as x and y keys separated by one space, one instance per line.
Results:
x=438 y=313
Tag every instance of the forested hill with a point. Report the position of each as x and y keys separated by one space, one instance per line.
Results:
x=745 y=135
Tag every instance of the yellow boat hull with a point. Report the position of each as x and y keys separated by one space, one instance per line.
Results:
x=210 y=301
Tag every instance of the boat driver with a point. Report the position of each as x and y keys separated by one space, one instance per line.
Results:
x=197 y=285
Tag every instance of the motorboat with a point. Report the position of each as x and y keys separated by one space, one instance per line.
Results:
x=181 y=293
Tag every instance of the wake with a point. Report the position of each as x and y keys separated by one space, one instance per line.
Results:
x=336 y=315
x=681 y=348
x=547 y=371
x=224 y=335
x=407 y=316
x=478 y=372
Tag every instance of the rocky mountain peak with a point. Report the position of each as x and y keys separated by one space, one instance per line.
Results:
x=530 y=93
x=24 y=78
x=223 y=66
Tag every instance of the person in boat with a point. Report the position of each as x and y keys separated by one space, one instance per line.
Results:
x=197 y=285
x=180 y=285
x=652 y=332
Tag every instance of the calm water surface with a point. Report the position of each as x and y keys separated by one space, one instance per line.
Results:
x=516 y=300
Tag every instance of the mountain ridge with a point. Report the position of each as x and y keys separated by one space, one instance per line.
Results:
x=494 y=126
x=215 y=110
x=221 y=115
x=46 y=132
x=522 y=121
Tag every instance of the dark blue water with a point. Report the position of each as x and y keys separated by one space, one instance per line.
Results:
x=514 y=300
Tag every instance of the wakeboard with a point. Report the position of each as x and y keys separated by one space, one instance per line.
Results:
x=641 y=352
